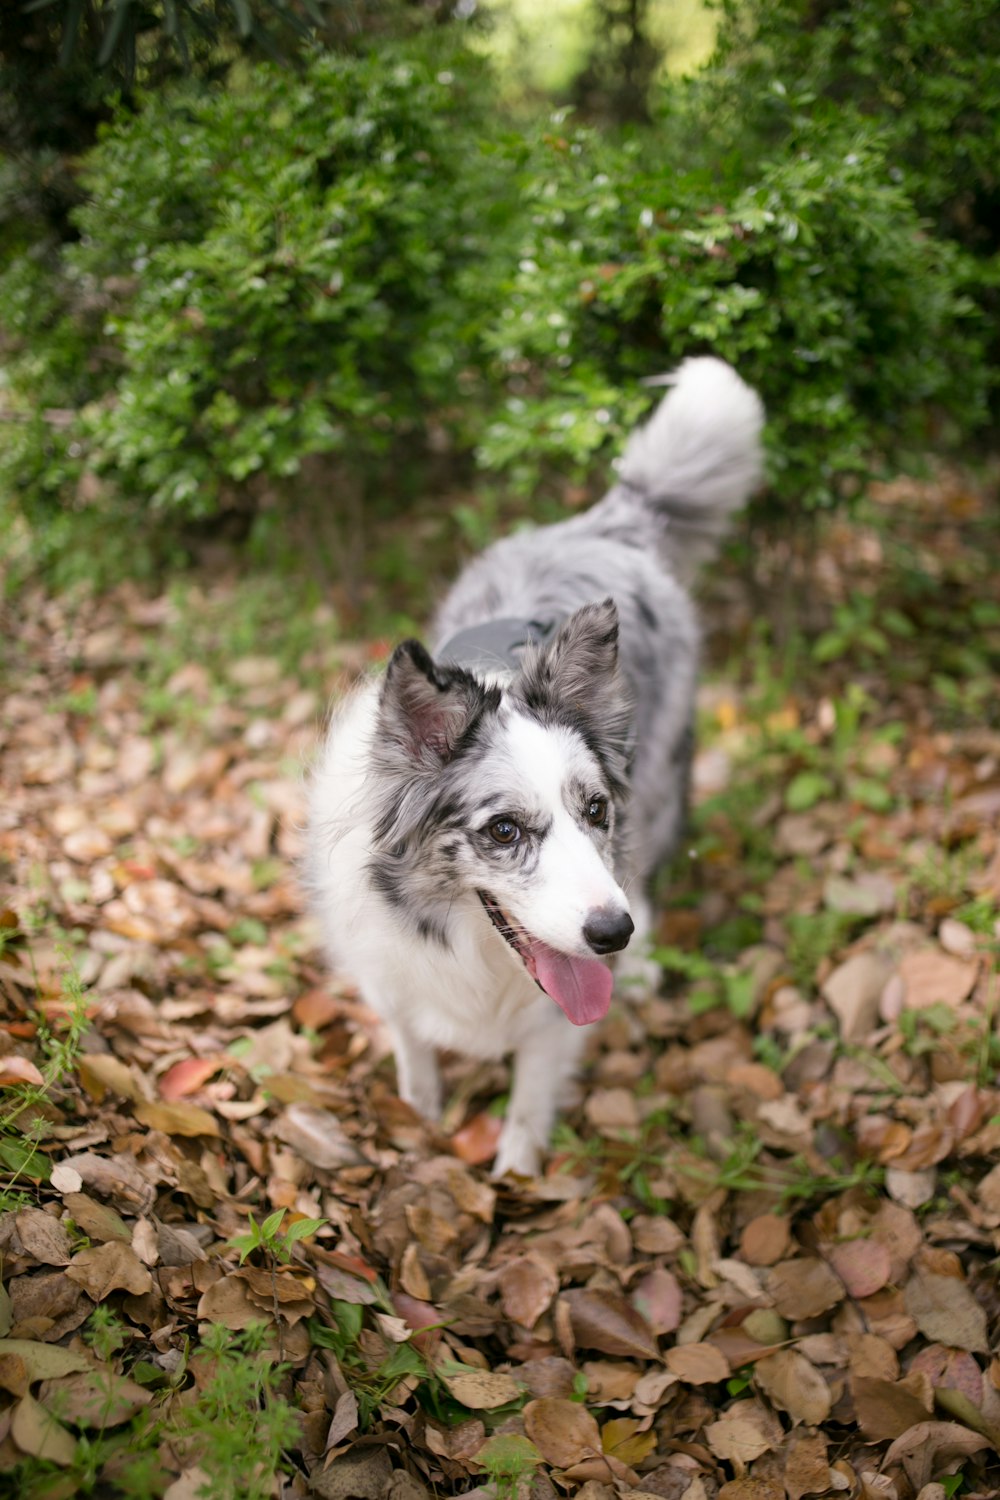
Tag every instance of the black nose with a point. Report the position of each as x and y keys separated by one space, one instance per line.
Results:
x=608 y=930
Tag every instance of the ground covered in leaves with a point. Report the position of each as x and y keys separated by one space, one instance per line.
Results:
x=762 y=1260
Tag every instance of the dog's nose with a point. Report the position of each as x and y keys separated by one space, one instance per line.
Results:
x=607 y=930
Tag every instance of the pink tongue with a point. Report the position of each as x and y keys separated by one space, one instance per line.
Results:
x=581 y=987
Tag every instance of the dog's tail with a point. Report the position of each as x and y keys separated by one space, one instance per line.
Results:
x=697 y=460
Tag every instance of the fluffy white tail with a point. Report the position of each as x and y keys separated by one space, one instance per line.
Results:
x=698 y=458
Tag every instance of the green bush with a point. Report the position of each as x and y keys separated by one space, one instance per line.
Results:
x=305 y=281
x=283 y=268
x=815 y=279
x=928 y=76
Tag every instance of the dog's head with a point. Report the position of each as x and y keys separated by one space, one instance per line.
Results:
x=508 y=796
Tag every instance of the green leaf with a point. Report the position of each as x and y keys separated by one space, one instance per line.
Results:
x=302 y=1229
x=806 y=789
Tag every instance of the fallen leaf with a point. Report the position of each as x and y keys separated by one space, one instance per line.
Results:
x=930 y=1448
x=43 y=1237
x=317 y=1135
x=887 y=1408
x=44 y=1361
x=863 y=1265
x=564 y=1432
x=765 y=1240
x=480 y=1390
x=945 y=1310
x=176 y=1119
x=108 y=1268
x=622 y=1438
x=853 y=990
x=658 y=1299
x=743 y=1433
x=94 y=1398
x=807 y=1470
x=935 y=978
x=605 y=1321
x=36 y=1432
x=187 y=1077
x=794 y=1386
x=802 y=1289
x=527 y=1287
x=697 y=1364
x=15 y=1070
x=477 y=1140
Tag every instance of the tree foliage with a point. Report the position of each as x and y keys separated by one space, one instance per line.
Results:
x=355 y=261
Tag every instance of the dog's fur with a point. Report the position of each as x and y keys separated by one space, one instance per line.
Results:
x=475 y=836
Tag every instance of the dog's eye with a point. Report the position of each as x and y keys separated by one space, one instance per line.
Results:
x=504 y=831
x=597 y=812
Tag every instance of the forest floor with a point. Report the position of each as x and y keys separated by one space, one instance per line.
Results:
x=762 y=1259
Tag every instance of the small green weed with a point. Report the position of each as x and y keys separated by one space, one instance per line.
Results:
x=266 y=1236
x=239 y=1428
x=509 y=1459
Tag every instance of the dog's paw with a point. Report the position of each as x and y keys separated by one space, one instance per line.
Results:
x=517 y=1152
x=426 y=1099
x=637 y=976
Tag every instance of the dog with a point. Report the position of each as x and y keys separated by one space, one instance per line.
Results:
x=485 y=820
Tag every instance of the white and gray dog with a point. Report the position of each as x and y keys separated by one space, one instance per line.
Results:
x=485 y=820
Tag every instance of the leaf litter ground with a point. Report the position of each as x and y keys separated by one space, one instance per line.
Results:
x=762 y=1260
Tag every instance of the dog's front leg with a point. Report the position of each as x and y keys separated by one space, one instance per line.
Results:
x=417 y=1075
x=543 y=1065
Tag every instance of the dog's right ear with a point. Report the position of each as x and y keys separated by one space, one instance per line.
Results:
x=425 y=710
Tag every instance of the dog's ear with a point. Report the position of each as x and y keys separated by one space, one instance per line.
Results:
x=577 y=680
x=581 y=661
x=425 y=710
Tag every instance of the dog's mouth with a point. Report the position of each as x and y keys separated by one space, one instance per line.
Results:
x=581 y=987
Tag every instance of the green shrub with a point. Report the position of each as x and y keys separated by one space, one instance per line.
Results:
x=815 y=278
x=928 y=76
x=302 y=282
x=280 y=266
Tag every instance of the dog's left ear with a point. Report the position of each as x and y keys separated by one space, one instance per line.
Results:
x=577 y=680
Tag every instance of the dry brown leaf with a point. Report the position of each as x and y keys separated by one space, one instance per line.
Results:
x=862 y=1265
x=527 y=1287
x=111 y=1267
x=888 y=1408
x=101 y=1073
x=317 y=1135
x=176 y=1119
x=43 y=1361
x=935 y=978
x=794 y=1386
x=807 y=1471
x=945 y=1310
x=15 y=1070
x=934 y=1448
x=804 y=1288
x=564 y=1432
x=765 y=1239
x=605 y=1321
x=96 y=1220
x=94 y=1398
x=658 y=1299
x=697 y=1364
x=480 y=1390
x=743 y=1433
x=622 y=1438
x=43 y=1237
x=36 y=1432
